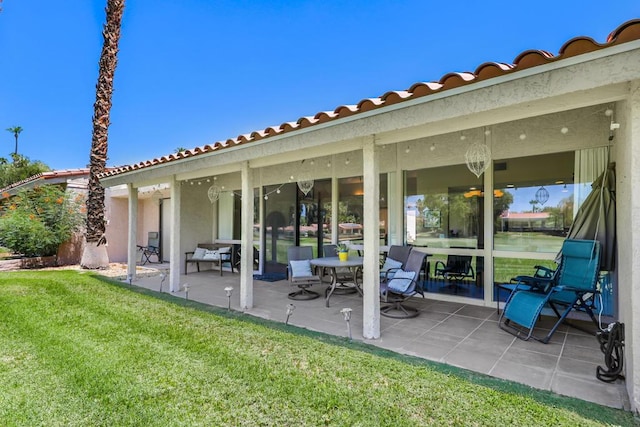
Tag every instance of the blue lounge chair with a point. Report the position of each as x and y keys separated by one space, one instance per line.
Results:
x=573 y=287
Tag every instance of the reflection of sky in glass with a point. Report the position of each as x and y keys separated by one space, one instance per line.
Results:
x=522 y=196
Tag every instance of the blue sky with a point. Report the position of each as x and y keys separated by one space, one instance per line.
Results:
x=192 y=72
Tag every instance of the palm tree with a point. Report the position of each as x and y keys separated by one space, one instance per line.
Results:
x=95 y=253
x=15 y=131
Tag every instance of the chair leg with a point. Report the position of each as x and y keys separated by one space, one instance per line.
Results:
x=398 y=311
x=303 y=294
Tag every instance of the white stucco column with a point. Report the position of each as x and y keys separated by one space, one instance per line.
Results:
x=488 y=232
x=371 y=268
x=335 y=202
x=627 y=146
x=132 y=253
x=174 y=259
x=262 y=227
x=246 y=266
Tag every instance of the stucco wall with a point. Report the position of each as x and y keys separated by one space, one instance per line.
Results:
x=117 y=228
x=628 y=217
x=196 y=217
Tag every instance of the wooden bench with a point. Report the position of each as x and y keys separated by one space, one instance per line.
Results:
x=222 y=258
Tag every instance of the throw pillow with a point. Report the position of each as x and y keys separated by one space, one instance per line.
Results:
x=300 y=268
x=199 y=253
x=401 y=281
x=211 y=255
x=389 y=264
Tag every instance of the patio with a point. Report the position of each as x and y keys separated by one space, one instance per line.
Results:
x=461 y=335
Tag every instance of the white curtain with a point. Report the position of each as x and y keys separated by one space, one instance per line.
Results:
x=589 y=164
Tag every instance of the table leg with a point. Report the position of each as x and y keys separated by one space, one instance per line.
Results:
x=330 y=289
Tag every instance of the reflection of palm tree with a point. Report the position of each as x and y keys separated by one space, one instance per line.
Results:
x=16 y=130
x=98 y=158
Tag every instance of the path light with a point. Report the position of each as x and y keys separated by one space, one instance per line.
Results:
x=129 y=278
x=186 y=290
x=228 y=290
x=163 y=277
x=290 y=308
x=346 y=312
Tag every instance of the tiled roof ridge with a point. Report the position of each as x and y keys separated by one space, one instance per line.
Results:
x=47 y=175
x=626 y=32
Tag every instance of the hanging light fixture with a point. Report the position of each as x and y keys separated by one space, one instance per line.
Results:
x=477 y=158
x=213 y=193
x=542 y=195
x=305 y=183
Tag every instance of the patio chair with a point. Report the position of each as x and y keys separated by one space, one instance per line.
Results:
x=539 y=281
x=403 y=285
x=300 y=273
x=573 y=288
x=396 y=258
x=236 y=256
x=458 y=268
x=152 y=248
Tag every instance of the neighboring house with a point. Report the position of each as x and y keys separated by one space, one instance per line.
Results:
x=552 y=121
x=73 y=181
x=116 y=206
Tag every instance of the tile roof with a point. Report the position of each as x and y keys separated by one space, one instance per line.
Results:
x=61 y=173
x=626 y=32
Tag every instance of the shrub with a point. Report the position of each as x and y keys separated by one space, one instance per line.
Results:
x=35 y=222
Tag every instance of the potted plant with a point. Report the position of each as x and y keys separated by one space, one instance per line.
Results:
x=343 y=251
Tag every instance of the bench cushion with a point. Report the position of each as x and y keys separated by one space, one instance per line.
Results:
x=199 y=253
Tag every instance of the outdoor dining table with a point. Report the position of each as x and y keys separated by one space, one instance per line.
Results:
x=332 y=263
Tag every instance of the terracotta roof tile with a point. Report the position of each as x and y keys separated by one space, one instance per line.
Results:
x=626 y=32
x=60 y=173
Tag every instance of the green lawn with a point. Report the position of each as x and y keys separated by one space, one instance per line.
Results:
x=77 y=350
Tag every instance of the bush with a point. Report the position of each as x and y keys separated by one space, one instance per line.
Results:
x=36 y=222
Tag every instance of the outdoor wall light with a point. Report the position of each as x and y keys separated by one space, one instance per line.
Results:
x=564 y=130
x=290 y=308
x=228 y=290
x=523 y=136
x=433 y=147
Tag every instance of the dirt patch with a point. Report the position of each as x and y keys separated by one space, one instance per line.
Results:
x=116 y=270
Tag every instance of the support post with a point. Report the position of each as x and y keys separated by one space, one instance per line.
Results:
x=174 y=258
x=371 y=267
x=132 y=243
x=246 y=266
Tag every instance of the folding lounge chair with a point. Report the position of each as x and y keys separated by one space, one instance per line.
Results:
x=573 y=288
x=403 y=285
x=300 y=273
x=152 y=248
x=539 y=281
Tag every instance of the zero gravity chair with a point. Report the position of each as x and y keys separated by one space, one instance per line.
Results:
x=573 y=288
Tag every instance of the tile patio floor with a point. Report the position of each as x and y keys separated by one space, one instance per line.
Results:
x=457 y=334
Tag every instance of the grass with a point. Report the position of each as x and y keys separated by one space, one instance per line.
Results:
x=78 y=350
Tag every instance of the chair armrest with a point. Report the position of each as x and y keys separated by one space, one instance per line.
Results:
x=386 y=273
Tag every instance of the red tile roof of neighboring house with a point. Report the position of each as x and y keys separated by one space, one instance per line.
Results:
x=626 y=32
x=61 y=173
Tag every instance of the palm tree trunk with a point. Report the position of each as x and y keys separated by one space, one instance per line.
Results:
x=95 y=232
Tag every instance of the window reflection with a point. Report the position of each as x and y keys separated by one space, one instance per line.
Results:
x=443 y=208
x=535 y=210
